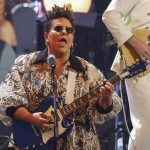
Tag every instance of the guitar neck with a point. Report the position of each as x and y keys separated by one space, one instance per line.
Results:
x=68 y=109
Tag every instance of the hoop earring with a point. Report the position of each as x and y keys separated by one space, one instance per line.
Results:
x=71 y=49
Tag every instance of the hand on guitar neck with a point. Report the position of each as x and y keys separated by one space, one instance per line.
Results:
x=106 y=92
x=141 y=49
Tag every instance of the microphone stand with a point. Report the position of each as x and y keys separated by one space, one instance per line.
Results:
x=54 y=84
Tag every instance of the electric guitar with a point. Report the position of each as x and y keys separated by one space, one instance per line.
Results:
x=129 y=54
x=27 y=136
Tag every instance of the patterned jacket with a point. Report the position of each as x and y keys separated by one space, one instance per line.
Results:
x=29 y=83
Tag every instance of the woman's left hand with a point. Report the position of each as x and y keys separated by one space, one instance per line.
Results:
x=106 y=92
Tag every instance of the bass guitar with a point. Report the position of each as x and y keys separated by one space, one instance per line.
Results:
x=27 y=136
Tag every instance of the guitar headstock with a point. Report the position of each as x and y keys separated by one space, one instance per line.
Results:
x=135 y=69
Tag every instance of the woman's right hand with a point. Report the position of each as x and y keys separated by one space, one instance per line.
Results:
x=41 y=120
x=38 y=119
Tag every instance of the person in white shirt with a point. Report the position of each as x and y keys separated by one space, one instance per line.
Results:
x=121 y=17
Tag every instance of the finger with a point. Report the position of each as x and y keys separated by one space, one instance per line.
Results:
x=50 y=122
x=47 y=121
x=108 y=83
x=104 y=81
x=46 y=124
x=137 y=60
x=106 y=89
x=49 y=117
x=43 y=115
x=105 y=92
x=109 y=86
x=141 y=57
x=147 y=53
x=145 y=57
x=102 y=90
x=44 y=121
x=109 y=89
x=49 y=126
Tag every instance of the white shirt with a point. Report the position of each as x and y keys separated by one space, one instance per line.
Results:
x=121 y=17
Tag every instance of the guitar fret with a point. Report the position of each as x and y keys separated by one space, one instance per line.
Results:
x=77 y=103
x=63 y=112
x=74 y=106
x=114 y=79
x=69 y=108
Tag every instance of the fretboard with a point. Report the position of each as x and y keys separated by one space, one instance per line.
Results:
x=66 y=110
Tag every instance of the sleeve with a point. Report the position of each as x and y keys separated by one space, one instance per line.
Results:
x=100 y=118
x=114 y=18
x=95 y=79
x=12 y=91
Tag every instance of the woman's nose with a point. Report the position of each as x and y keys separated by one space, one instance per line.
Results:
x=64 y=31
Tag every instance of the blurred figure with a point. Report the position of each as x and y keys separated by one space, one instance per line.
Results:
x=7 y=55
x=7 y=39
x=7 y=33
x=121 y=18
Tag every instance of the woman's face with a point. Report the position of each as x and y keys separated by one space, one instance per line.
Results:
x=2 y=7
x=60 y=37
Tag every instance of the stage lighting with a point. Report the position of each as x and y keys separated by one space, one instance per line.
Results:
x=82 y=6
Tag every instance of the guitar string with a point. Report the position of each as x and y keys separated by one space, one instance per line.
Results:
x=114 y=80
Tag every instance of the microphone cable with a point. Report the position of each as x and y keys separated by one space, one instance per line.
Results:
x=124 y=115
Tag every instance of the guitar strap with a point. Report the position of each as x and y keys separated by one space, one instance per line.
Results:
x=70 y=86
x=69 y=95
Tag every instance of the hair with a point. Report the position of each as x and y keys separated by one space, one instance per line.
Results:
x=58 y=12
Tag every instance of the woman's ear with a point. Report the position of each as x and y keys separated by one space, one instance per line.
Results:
x=45 y=35
x=46 y=38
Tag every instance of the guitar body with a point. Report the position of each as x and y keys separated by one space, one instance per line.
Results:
x=27 y=136
x=129 y=54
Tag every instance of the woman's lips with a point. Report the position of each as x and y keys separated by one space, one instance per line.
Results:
x=63 y=42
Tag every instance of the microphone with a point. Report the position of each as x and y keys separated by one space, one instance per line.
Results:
x=51 y=61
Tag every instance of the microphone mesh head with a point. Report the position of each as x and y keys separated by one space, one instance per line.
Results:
x=51 y=61
x=50 y=56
